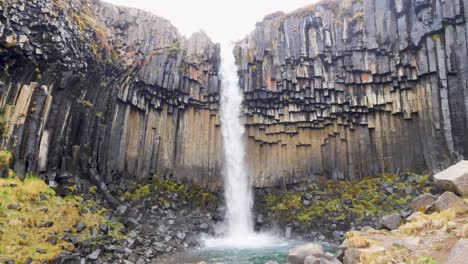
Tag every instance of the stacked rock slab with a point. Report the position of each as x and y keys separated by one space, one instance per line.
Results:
x=354 y=88
x=91 y=86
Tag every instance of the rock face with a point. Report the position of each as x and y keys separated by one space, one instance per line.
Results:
x=91 y=86
x=354 y=88
x=454 y=179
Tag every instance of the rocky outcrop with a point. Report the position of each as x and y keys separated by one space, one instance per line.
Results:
x=454 y=179
x=88 y=86
x=355 y=88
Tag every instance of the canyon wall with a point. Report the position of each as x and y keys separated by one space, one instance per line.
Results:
x=345 y=89
x=355 y=88
x=109 y=92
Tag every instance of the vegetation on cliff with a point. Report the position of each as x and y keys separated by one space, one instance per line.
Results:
x=348 y=201
x=168 y=191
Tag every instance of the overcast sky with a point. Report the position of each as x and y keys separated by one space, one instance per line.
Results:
x=223 y=20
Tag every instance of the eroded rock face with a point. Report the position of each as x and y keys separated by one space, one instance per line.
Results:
x=88 y=85
x=354 y=88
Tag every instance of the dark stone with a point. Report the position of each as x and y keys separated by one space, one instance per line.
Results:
x=103 y=229
x=52 y=240
x=80 y=226
x=16 y=207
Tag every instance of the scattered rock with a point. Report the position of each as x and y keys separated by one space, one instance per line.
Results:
x=41 y=251
x=421 y=202
x=15 y=206
x=94 y=255
x=80 y=226
x=11 y=40
x=450 y=200
x=353 y=255
x=459 y=252
x=103 y=229
x=391 y=222
x=298 y=254
x=52 y=240
x=47 y=224
x=454 y=178
x=269 y=262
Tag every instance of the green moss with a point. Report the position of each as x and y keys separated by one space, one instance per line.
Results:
x=342 y=201
x=93 y=189
x=425 y=260
x=173 y=47
x=355 y=17
x=189 y=192
x=5 y=158
x=96 y=49
x=86 y=103
x=435 y=37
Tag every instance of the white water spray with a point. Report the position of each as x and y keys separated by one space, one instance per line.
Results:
x=239 y=231
x=237 y=187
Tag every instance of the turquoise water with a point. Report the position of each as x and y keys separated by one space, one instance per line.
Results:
x=238 y=256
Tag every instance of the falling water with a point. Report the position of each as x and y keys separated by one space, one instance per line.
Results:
x=238 y=192
x=239 y=231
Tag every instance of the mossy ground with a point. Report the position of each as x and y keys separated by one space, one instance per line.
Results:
x=351 y=201
x=162 y=192
x=24 y=231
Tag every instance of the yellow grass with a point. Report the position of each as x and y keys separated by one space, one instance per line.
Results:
x=29 y=220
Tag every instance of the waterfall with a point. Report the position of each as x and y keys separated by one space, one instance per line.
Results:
x=238 y=224
x=237 y=188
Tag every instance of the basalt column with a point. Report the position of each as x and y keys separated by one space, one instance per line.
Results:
x=108 y=92
x=350 y=89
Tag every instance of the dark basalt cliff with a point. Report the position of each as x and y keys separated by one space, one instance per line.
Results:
x=109 y=92
x=345 y=89
x=355 y=88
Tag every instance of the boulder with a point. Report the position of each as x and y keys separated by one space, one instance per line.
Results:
x=422 y=202
x=311 y=260
x=450 y=200
x=454 y=179
x=459 y=252
x=353 y=255
x=391 y=222
x=298 y=254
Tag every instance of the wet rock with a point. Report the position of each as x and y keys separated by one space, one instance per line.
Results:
x=204 y=226
x=287 y=233
x=454 y=179
x=298 y=254
x=391 y=222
